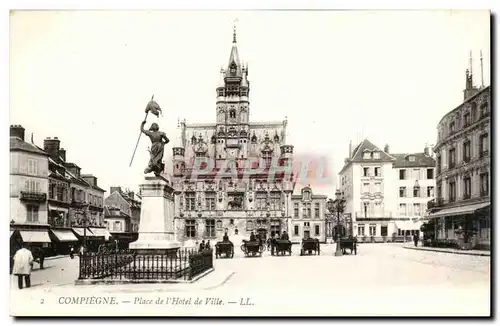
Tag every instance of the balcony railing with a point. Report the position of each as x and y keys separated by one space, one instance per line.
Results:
x=33 y=196
x=78 y=203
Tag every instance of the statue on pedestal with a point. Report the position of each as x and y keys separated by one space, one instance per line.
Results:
x=158 y=141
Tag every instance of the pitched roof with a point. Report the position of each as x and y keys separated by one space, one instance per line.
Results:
x=365 y=146
x=421 y=160
x=17 y=143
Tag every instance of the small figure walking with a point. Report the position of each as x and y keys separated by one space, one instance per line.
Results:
x=72 y=252
x=415 y=239
x=23 y=264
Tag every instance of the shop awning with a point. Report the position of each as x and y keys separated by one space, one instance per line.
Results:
x=11 y=233
x=408 y=225
x=38 y=236
x=59 y=209
x=461 y=210
x=81 y=232
x=101 y=232
x=64 y=235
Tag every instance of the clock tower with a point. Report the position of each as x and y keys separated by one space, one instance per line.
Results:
x=232 y=126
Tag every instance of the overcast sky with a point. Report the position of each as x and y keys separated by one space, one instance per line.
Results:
x=85 y=77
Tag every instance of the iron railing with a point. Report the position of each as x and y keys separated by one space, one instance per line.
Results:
x=130 y=265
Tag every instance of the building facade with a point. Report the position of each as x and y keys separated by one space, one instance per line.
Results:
x=416 y=186
x=367 y=184
x=122 y=215
x=29 y=185
x=224 y=172
x=461 y=212
x=309 y=218
x=76 y=202
x=386 y=194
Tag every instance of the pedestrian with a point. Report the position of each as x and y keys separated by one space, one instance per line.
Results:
x=71 y=252
x=202 y=245
x=207 y=246
x=23 y=264
x=415 y=239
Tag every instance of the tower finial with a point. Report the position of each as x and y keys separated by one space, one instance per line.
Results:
x=470 y=63
x=234 y=30
x=482 y=76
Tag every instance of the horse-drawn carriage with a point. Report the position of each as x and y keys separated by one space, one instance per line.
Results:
x=281 y=247
x=308 y=246
x=349 y=243
x=224 y=247
x=252 y=248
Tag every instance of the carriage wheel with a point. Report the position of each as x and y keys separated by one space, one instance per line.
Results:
x=232 y=254
x=242 y=247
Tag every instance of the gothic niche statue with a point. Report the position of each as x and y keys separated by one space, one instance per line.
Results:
x=236 y=203
x=158 y=141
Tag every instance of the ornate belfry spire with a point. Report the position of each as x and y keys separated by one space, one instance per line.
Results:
x=234 y=30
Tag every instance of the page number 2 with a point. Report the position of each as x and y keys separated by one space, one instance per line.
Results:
x=42 y=301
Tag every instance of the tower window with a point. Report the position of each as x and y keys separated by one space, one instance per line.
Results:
x=232 y=114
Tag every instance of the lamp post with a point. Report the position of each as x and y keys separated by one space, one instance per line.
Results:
x=337 y=206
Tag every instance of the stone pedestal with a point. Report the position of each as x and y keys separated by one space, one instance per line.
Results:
x=156 y=228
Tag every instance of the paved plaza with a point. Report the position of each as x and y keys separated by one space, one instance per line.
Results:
x=383 y=279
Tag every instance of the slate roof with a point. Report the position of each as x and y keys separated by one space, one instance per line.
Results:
x=18 y=144
x=421 y=160
x=364 y=146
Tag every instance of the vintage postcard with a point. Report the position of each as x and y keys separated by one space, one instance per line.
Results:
x=250 y=163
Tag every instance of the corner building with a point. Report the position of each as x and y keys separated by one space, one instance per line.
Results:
x=226 y=174
x=463 y=173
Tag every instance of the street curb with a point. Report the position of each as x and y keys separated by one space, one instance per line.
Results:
x=56 y=257
x=114 y=282
x=450 y=252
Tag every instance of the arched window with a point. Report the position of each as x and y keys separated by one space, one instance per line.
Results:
x=250 y=226
x=232 y=114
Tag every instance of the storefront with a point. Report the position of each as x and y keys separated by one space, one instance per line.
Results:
x=62 y=241
x=469 y=223
x=88 y=238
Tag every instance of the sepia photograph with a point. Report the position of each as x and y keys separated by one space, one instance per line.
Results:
x=250 y=163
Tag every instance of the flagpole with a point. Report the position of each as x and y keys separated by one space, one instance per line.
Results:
x=140 y=134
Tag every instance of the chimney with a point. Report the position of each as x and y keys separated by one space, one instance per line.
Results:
x=17 y=131
x=62 y=154
x=426 y=150
x=386 y=148
x=113 y=189
x=350 y=149
x=131 y=194
x=51 y=146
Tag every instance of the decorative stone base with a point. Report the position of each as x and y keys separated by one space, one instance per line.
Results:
x=156 y=229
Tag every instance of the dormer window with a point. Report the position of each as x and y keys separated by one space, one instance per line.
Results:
x=367 y=155
x=376 y=155
x=411 y=158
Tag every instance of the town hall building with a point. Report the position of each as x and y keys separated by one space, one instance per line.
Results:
x=226 y=174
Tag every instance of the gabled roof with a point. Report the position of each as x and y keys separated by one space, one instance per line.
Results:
x=17 y=144
x=421 y=160
x=363 y=147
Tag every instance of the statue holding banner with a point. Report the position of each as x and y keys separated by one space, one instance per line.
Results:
x=158 y=141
